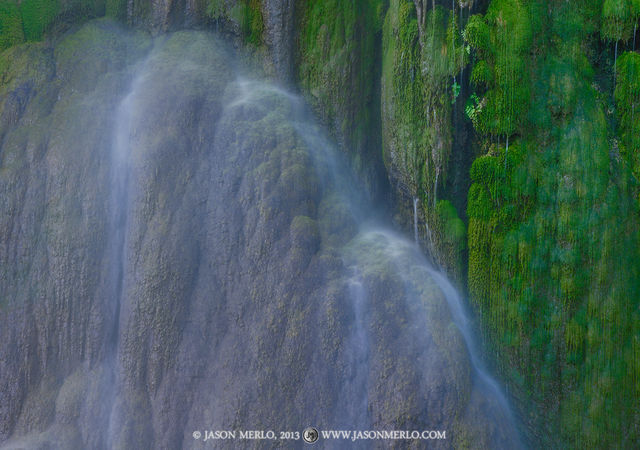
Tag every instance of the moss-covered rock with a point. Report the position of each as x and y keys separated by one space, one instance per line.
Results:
x=11 y=32
x=338 y=45
x=422 y=60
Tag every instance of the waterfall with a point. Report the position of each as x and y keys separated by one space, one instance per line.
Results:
x=119 y=204
x=246 y=281
x=429 y=238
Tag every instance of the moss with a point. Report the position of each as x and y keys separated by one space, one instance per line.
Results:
x=627 y=96
x=247 y=13
x=26 y=63
x=37 y=16
x=502 y=39
x=10 y=24
x=451 y=237
x=94 y=49
x=40 y=16
x=421 y=63
x=337 y=70
x=618 y=18
x=216 y=9
x=550 y=225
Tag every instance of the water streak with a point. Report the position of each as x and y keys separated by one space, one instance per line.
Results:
x=353 y=402
x=117 y=238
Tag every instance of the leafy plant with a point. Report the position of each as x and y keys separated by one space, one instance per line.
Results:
x=473 y=107
x=455 y=92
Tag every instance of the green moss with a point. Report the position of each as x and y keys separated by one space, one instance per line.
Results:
x=451 y=235
x=247 y=13
x=627 y=95
x=552 y=256
x=10 y=25
x=502 y=39
x=421 y=64
x=216 y=9
x=337 y=70
x=37 y=16
x=618 y=18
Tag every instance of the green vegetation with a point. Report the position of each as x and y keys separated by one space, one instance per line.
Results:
x=37 y=16
x=619 y=18
x=116 y=9
x=451 y=235
x=420 y=85
x=249 y=15
x=337 y=69
x=553 y=241
x=10 y=24
x=502 y=40
x=627 y=95
x=551 y=247
x=31 y=19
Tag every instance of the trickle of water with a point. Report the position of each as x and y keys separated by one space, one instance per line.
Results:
x=117 y=237
x=353 y=404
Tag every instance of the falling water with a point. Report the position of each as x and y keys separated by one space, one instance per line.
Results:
x=376 y=353
x=117 y=237
x=414 y=268
x=462 y=321
x=353 y=401
x=352 y=408
x=353 y=404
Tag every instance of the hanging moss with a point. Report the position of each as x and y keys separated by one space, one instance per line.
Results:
x=627 y=95
x=420 y=65
x=618 y=17
x=216 y=9
x=39 y=16
x=450 y=236
x=502 y=39
x=553 y=253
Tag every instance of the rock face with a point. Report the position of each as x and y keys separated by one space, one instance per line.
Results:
x=279 y=22
x=180 y=252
